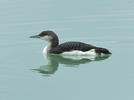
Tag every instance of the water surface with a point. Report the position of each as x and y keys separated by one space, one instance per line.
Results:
x=105 y=23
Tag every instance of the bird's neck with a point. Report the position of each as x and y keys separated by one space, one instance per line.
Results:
x=51 y=44
x=54 y=42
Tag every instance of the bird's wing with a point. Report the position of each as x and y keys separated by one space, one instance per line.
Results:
x=70 y=46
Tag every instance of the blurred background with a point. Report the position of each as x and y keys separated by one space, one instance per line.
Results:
x=26 y=75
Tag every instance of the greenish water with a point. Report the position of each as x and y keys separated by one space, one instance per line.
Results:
x=26 y=75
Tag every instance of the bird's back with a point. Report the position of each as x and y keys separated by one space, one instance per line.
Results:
x=71 y=46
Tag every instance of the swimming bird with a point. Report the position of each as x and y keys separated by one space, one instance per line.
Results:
x=68 y=48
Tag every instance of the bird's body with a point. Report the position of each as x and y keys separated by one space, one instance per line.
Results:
x=68 y=48
x=71 y=48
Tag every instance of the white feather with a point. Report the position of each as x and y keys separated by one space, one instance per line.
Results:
x=77 y=55
x=47 y=48
x=47 y=38
x=77 y=52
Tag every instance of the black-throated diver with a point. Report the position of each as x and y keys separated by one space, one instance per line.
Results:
x=68 y=48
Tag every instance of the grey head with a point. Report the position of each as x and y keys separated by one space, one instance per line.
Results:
x=49 y=36
x=46 y=35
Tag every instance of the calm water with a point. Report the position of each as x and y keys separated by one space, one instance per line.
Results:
x=26 y=75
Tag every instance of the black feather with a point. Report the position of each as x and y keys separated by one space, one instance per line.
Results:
x=70 y=46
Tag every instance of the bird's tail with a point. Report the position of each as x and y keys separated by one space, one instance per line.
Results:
x=102 y=50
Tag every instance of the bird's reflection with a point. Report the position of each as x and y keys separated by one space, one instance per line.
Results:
x=55 y=60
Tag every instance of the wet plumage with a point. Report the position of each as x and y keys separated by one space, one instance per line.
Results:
x=55 y=48
x=71 y=46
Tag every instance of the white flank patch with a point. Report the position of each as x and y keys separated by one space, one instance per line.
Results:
x=81 y=53
x=77 y=55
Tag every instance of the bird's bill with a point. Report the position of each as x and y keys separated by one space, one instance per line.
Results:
x=35 y=36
